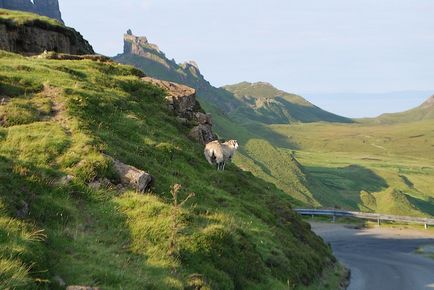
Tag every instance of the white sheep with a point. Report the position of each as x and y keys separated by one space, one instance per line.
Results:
x=219 y=153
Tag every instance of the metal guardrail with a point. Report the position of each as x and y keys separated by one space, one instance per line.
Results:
x=369 y=216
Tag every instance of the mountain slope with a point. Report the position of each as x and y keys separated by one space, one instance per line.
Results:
x=234 y=117
x=420 y=113
x=151 y=60
x=273 y=106
x=322 y=164
x=63 y=218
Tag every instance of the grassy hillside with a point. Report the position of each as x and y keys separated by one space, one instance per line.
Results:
x=63 y=118
x=383 y=168
x=273 y=106
x=236 y=117
x=420 y=113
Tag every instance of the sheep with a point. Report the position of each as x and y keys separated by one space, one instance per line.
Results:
x=219 y=153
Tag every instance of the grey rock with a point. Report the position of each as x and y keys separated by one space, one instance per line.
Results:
x=35 y=38
x=23 y=210
x=132 y=177
x=203 y=118
x=202 y=134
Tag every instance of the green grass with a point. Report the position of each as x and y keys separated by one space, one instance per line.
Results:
x=63 y=117
x=354 y=166
x=334 y=278
x=25 y=18
x=266 y=104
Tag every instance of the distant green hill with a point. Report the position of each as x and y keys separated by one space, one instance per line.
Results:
x=422 y=112
x=273 y=106
x=62 y=218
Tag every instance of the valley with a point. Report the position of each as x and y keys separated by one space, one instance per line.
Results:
x=103 y=180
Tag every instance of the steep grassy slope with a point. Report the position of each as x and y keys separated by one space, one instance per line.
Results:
x=420 y=113
x=234 y=117
x=61 y=119
x=273 y=106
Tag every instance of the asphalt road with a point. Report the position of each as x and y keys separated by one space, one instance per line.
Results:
x=381 y=258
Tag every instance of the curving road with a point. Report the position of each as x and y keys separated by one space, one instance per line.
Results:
x=381 y=258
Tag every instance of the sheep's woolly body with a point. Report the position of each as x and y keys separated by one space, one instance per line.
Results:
x=214 y=152
x=219 y=153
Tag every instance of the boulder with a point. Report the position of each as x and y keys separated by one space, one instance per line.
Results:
x=132 y=177
x=180 y=99
x=202 y=134
x=203 y=118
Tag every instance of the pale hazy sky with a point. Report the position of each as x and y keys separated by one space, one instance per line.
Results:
x=311 y=47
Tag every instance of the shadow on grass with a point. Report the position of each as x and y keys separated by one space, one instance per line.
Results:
x=425 y=206
x=87 y=239
x=341 y=186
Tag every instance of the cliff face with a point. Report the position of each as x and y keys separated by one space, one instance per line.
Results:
x=49 y=8
x=34 y=36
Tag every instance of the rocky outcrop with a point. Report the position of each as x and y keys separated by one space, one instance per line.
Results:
x=37 y=36
x=182 y=101
x=138 y=45
x=49 y=8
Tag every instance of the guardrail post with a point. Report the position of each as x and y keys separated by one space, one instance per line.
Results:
x=334 y=219
x=426 y=226
x=378 y=222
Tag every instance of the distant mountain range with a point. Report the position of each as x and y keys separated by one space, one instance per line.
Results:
x=244 y=102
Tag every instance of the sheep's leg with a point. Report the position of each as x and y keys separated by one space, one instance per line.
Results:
x=224 y=163
x=219 y=166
